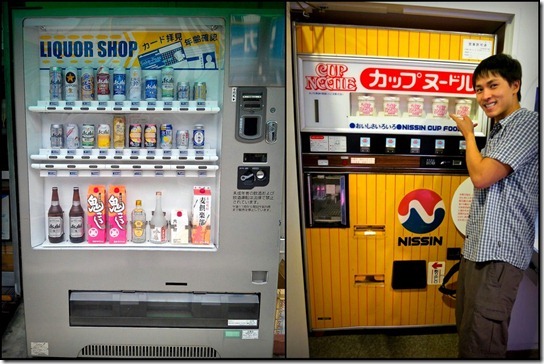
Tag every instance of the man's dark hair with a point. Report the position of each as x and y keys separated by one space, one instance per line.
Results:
x=502 y=65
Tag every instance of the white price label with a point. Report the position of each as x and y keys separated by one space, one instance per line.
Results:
x=250 y=334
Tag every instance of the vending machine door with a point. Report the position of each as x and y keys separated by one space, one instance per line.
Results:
x=326 y=200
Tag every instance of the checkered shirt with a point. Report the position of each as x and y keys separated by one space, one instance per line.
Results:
x=501 y=223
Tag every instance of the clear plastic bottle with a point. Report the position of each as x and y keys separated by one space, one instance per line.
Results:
x=158 y=224
x=138 y=223
x=77 y=219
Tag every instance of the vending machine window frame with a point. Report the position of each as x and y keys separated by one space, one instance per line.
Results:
x=311 y=221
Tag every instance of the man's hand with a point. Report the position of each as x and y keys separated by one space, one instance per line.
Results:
x=464 y=124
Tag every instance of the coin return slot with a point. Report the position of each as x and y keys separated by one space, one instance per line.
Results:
x=363 y=231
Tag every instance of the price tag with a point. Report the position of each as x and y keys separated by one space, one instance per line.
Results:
x=95 y=173
x=135 y=152
x=87 y=151
x=159 y=173
x=137 y=173
x=103 y=152
x=199 y=152
x=73 y=173
x=181 y=174
x=119 y=152
x=202 y=173
x=53 y=103
x=135 y=104
x=55 y=151
x=167 y=153
x=151 y=152
x=71 y=152
x=116 y=173
x=183 y=153
x=86 y=103
x=102 y=104
x=51 y=173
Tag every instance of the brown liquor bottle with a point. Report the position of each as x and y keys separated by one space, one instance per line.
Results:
x=55 y=219
x=77 y=219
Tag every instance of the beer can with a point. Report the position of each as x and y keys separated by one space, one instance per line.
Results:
x=166 y=136
x=72 y=136
x=151 y=88
x=200 y=91
x=198 y=137
x=135 y=135
x=119 y=131
x=103 y=84
x=55 y=83
x=87 y=84
x=103 y=136
x=135 y=89
x=70 y=84
x=87 y=136
x=57 y=136
x=119 y=83
x=183 y=91
x=167 y=84
x=150 y=136
x=182 y=139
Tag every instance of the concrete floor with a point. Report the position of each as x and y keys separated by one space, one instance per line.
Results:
x=14 y=338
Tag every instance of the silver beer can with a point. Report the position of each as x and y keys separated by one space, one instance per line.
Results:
x=57 y=136
x=200 y=91
x=182 y=139
x=72 y=136
x=183 y=91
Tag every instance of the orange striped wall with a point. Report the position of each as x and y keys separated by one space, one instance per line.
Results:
x=361 y=41
x=335 y=257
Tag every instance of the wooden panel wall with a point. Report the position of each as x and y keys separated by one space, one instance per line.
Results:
x=336 y=257
x=397 y=43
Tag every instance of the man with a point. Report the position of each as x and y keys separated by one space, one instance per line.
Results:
x=501 y=225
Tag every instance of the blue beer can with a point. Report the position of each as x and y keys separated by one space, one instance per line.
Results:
x=151 y=88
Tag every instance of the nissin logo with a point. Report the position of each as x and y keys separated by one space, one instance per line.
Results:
x=421 y=211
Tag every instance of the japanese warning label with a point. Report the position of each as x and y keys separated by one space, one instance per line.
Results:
x=252 y=201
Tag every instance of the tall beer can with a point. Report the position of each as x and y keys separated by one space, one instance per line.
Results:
x=198 y=137
x=104 y=136
x=150 y=136
x=119 y=123
x=119 y=83
x=167 y=84
x=200 y=91
x=182 y=139
x=72 y=136
x=135 y=89
x=70 y=84
x=57 y=136
x=103 y=84
x=87 y=84
x=166 y=136
x=151 y=88
x=183 y=91
x=87 y=136
x=135 y=136
x=55 y=83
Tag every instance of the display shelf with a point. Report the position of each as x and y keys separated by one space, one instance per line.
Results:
x=117 y=170
x=126 y=155
x=105 y=107
x=66 y=245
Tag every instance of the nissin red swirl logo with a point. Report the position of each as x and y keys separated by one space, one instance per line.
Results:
x=421 y=211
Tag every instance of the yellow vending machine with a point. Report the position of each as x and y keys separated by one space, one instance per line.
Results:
x=382 y=171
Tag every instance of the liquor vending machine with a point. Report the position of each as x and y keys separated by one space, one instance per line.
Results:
x=150 y=158
x=382 y=170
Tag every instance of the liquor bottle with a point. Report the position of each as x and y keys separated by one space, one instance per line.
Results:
x=158 y=224
x=76 y=218
x=138 y=223
x=55 y=219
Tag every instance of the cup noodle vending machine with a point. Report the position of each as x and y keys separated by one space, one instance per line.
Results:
x=384 y=182
x=207 y=297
